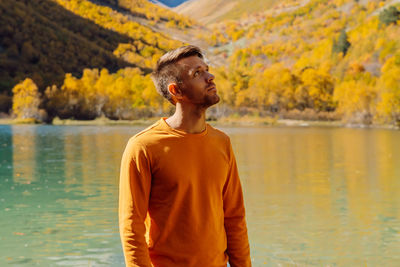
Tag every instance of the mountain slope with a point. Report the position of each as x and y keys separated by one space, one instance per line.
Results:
x=338 y=56
x=171 y=3
x=39 y=36
x=44 y=39
x=150 y=11
x=209 y=11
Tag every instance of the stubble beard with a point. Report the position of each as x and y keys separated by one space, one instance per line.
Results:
x=211 y=100
x=208 y=100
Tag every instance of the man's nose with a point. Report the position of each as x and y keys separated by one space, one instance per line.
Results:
x=210 y=77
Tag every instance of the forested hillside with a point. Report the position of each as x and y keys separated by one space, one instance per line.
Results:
x=338 y=57
x=39 y=36
x=45 y=39
x=150 y=11
x=310 y=59
x=146 y=45
x=42 y=40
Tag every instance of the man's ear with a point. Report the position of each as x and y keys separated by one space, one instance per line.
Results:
x=175 y=91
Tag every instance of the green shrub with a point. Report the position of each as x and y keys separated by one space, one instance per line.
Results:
x=389 y=15
x=342 y=44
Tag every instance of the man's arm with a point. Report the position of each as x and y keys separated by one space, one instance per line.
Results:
x=234 y=213
x=134 y=192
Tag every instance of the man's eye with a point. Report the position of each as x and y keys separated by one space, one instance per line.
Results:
x=196 y=73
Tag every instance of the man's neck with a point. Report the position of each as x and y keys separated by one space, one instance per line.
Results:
x=188 y=119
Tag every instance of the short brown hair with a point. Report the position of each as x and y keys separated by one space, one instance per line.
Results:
x=166 y=70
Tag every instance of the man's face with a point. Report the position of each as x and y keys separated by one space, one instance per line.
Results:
x=197 y=85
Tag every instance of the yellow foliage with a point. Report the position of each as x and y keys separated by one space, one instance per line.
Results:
x=389 y=90
x=26 y=100
x=320 y=55
x=224 y=86
x=147 y=42
x=317 y=86
x=371 y=6
x=118 y=95
x=356 y=96
x=285 y=62
x=355 y=68
x=278 y=88
x=388 y=49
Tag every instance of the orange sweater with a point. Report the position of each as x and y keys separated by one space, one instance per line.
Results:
x=180 y=201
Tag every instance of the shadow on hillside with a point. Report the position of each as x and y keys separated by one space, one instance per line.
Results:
x=43 y=41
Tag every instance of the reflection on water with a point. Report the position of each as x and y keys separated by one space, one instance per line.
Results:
x=314 y=196
x=322 y=196
x=58 y=199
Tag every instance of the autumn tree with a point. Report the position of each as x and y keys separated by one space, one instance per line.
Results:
x=315 y=90
x=389 y=94
x=356 y=95
x=126 y=94
x=26 y=100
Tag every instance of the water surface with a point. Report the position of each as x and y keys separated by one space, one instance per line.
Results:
x=314 y=196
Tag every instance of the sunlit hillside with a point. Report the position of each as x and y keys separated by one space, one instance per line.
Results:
x=337 y=57
x=150 y=11
x=211 y=11
x=146 y=45
x=44 y=40
x=296 y=59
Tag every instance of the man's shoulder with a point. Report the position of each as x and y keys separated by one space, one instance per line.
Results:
x=218 y=134
x=148 y=131
x=145 y=136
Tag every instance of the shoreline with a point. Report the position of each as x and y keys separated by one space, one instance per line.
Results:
x=224 y=122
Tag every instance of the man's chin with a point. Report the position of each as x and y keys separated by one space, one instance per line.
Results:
x=218 y=99
x=211 y=100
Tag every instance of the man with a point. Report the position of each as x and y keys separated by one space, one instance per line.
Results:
x=180 y=201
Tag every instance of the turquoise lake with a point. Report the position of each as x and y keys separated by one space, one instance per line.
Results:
x=314 y=196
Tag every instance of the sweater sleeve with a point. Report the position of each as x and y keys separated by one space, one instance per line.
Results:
x=134 y=192
x=234 y=218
